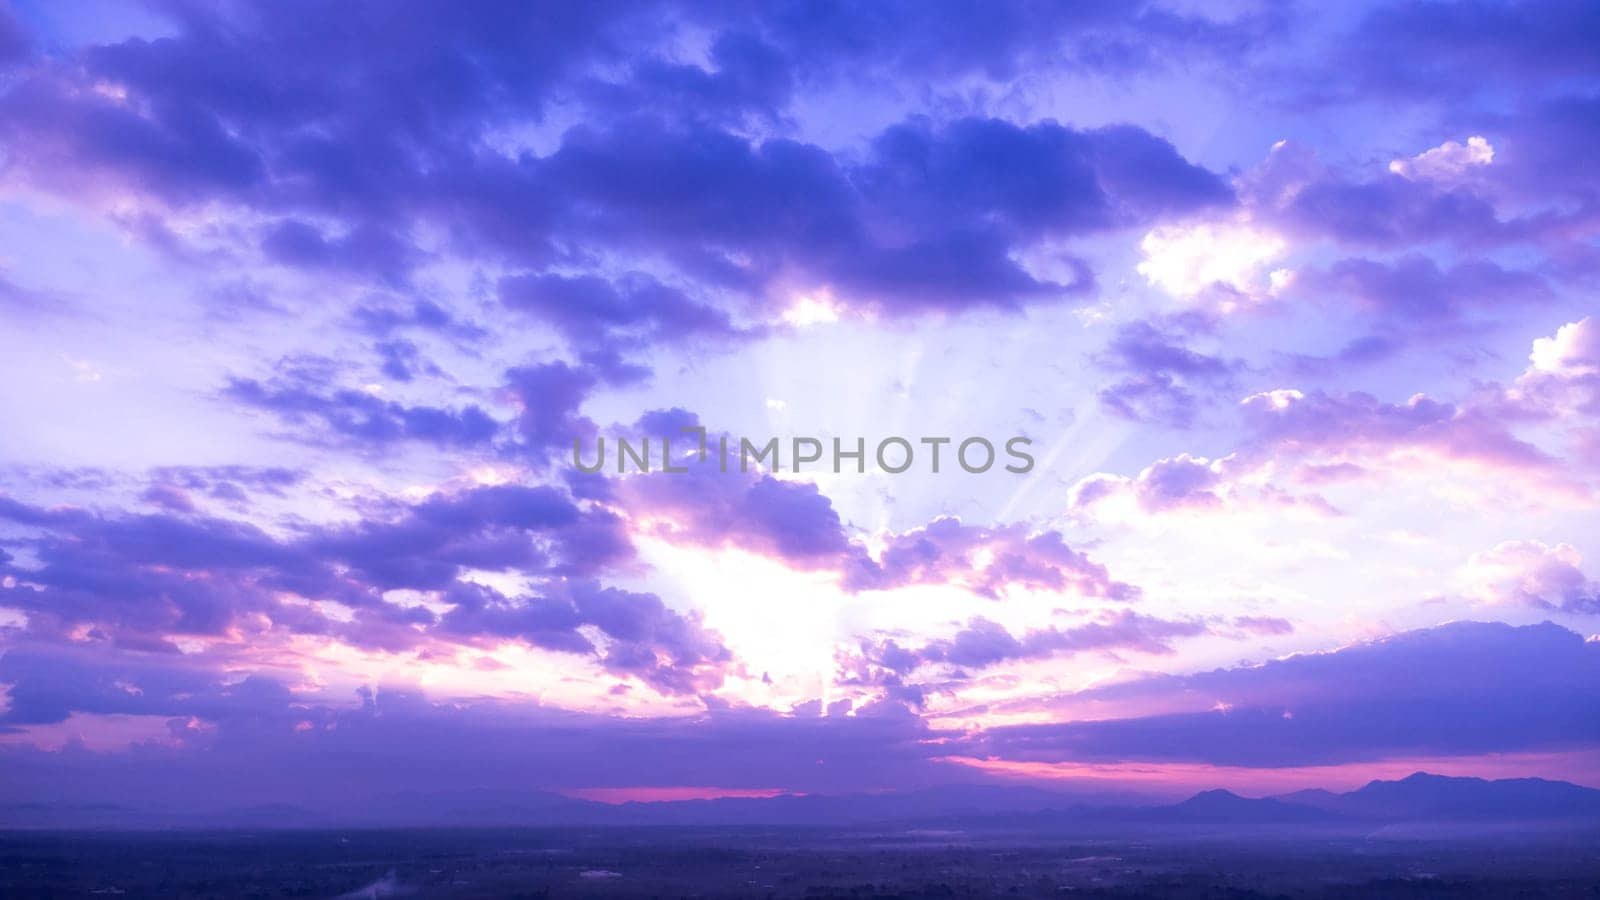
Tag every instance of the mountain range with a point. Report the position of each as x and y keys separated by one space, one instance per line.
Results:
x=1419 y=798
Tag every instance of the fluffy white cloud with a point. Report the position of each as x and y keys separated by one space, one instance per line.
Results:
x=1531 y=573
x=1573 y=351
x=1562 y=380
x=1449 y=161
x=1189 y=260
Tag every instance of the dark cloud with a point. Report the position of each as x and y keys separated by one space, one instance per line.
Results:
x=549 y=397
x=168 y=497
x=1415 y=202
x=1542 y=148
x=367 y=250
x=1391 y=210
x=15 y=44
x=1454 y=49
x=354 y=152
x=136 y=578
x=50 y=682
x=145 y=580
x=986 y=561
x=1161 y=375
x=383 y=318
x=643 y=638
x=835 y=40
x=1043 y=179
x=982 y=643
x=533 y=530
x=1414 y=289
x=748 y=77
x=1461 y=689
x=1362 y=351
x=303 y=393
x=632 y=311
x=178 y=154
x=362 y=417
x=281 y=750
x=402 y=360
x=1412 y=301
x=230 y=484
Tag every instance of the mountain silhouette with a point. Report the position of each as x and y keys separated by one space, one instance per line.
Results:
x=1422 y=796
x=1419 y=798
x=1220 y=807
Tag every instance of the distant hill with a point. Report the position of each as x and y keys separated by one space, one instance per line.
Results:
x=950 y=801
x=1418 y=798
x=489 y=808
x=1421 y=797
x=1225 y=808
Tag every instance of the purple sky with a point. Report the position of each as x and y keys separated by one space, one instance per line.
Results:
x=302 y=307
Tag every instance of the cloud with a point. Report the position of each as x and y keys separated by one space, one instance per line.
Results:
x=1319 y=437
x=1263 y=625
x=354 y=178
x=366 y=250
x=950 y=38
x=1452 y=50
x=227 y=483
x=403 y=360
x=1449 y=161
x=1294 y=194
x=1414 y=290
x=1340 y=424
x=148 y=582
x=15 y=44
x=1540 y=155
x=748 y=77
x=49 y=683
x=1392 y=210
x=360 y=416
x=1562 y=380
x=635 y=310
x=383 y=317
x=1465 y=688
x=792 y=521
x=1573 y=352
x=1161 y=376
x=982 y=643
x=931 y=220
x=258 y=749
x=549 y=396
x=1187 y=261
x=795 y=523
x=636 y=183
x=1530 y=573
x=1192 y=485
x=639 y=635
x=986 y=561
x=1182 y=481
x=1461 y=689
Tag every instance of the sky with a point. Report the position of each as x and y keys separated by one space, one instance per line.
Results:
x=303 y=307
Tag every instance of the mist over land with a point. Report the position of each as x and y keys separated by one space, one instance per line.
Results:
x=1422 y=836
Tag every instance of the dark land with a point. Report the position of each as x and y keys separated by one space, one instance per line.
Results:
x=1423 y=836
